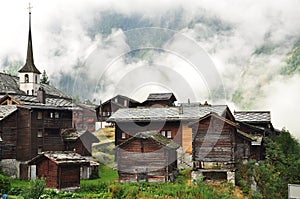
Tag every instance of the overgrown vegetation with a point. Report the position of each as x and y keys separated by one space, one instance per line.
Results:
x=280 y=168
x=4 y=184
x=35 y=189
x=107 y=187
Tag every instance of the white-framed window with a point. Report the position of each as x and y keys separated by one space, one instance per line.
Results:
x=40 y=133
x=169 y=134
x=125 y=103
x=123 y=135
x=51 y=115
x=116 y=100
x=163 y=133
x=56 y=114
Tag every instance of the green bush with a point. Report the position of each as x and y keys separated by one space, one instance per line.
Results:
x=4 y=184
x=35 y=189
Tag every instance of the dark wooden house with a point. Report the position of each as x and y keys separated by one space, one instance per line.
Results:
x=79 y=141
x=61 y=169
x=147 y=156
x=106 y=109
x=27 y=131
x=171 y=122
x=159 y=99
x=218 y=145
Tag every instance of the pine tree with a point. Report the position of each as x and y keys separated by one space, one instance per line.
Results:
x=44 y=79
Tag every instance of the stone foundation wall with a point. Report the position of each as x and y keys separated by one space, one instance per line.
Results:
x=10 y=167
x=196 y=175
x=184 y=160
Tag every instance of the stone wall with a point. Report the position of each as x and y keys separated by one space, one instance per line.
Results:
x=11 y=167
x=184 y=160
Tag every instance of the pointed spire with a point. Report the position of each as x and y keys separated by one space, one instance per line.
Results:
x=29 y=65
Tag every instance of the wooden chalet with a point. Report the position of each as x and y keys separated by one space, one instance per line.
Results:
x=61 y=169
x=218 y=146
x=106 y=109
x=257 y=125
x=26 y=131
x=171 y=122
x=78 y=141
x=147 y=156
x=159 y=99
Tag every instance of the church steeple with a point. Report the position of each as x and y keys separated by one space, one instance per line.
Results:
x=29 y=75
x=29 y=65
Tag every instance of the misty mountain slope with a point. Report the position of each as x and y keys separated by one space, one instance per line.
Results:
x=245 y=66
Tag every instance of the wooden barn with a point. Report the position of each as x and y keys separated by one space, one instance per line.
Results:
x=61 y=169
x=147 y=156
x=218 y=145
x=257 y=125
x=171 y=122
x=79 y=141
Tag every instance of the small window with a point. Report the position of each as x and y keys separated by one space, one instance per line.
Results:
x=125 y=103
x=40 y=150
x=123 y=135
x=27 y=92
x=26 y=77
x=56 y=115
x=116 y=100
x=51 y=115
x=169 y=134
x=32 y=92
x=36 y=79
x=40 y=115
x=163 y=133
x=40 y=133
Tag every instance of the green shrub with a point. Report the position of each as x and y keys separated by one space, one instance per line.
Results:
x=4 y=184
x=35 y=189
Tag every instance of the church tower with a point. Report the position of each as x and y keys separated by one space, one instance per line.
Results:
x=29 y=75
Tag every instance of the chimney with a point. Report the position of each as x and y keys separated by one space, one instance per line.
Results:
x=41 y=95
x=180 y=109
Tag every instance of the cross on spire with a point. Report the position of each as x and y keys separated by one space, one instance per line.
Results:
x=29 y=7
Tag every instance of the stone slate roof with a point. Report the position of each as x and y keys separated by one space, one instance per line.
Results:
x=52 y=91
x=10 y=84
x=6 y=111
x=61 y=157
x=154 y=135
x=72 y=134
x=165 y=113
x=252 y=116
x=160 y=96
x=32 y=100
